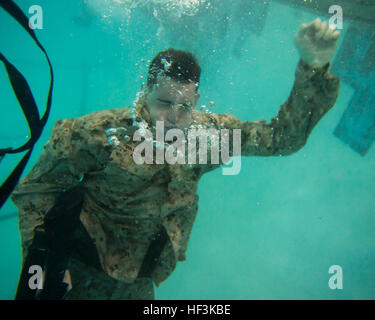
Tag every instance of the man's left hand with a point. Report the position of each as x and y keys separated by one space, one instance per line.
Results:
x=316 y=42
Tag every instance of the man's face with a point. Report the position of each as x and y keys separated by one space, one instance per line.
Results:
x=172 y=102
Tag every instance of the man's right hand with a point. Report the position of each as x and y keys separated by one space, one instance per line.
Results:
x=316 y=43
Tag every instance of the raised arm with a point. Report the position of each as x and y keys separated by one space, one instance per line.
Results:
x=314 y=93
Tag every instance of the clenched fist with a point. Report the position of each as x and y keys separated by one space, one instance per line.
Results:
x=316 y=42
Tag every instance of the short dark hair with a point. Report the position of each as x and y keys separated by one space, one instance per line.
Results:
x=179 y=65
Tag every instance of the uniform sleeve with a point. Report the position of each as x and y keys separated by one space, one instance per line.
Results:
x=314 y=93
x=60 y=166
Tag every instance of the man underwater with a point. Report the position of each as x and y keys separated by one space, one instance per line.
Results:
x=127 y=207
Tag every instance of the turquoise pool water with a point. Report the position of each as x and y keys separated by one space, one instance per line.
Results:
x=271 y=232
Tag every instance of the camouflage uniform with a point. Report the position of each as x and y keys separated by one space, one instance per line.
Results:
x=125 y=204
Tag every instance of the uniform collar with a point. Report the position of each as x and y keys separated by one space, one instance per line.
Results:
x=141 y=113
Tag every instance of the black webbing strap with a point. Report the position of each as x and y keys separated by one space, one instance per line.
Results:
x=27 y=103
x=51 y=248
x=36 y=256
x=152 y=257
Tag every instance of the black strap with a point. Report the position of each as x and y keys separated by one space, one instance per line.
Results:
x=51 y=248
x=27 y=103
x=152 y=257
x=37 y=255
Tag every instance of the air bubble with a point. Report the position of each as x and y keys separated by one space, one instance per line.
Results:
x=110 y=131
x=113 y=141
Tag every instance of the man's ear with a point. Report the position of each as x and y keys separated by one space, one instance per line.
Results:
x=142 y=99
x=197 y=96
x=145 y=90
x=144 y=87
